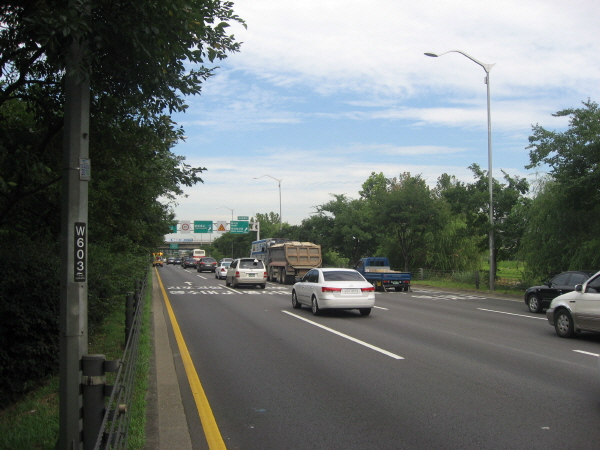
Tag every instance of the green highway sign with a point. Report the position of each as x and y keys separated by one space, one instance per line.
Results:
x=243 y=218
x=238 y=226
x=174 y=246
x=173 y=228
x=203 y=226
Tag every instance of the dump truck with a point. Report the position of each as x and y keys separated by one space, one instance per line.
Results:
x=377 y=271
x=285 y=260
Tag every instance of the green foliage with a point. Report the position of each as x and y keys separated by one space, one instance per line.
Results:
x=408 y=214
x=140 y=59
x=573 y=155
x=29 y=292
x=561 y=229
x=331 y=258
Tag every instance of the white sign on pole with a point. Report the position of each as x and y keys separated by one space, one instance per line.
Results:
x=185 y=226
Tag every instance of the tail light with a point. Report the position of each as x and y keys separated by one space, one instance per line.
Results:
x=264 y=274
x=330 y=289
x=368 y=289
x=237 y=274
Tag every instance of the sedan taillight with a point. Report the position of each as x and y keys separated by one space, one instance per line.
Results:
x=368 y=289
x=330 y=289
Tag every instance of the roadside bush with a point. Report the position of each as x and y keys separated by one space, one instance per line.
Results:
x=29 y=315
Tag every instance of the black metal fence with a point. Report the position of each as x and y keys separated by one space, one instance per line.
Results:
x=106 y=408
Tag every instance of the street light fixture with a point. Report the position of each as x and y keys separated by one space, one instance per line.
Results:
x=228 y=209
x=279 y=182
x=487 y=68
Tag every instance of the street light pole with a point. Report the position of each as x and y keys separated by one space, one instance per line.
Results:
x=487 y=68
x=228 y=209
x=278 y=182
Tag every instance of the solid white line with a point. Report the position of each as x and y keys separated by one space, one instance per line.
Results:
x=587 y=353
x=372 y=347
x=512 y=314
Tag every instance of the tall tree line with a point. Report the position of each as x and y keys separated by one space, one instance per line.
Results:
x=551 y=227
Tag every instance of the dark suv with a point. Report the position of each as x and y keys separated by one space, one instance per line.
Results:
x=188 y=262
x=538 y=298
x=206 y=263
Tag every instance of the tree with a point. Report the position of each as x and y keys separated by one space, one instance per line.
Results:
x=471 y=200
x=574 y=155
x=407 y=213
x=558 y=235
x=561 y=229
x=141 y=59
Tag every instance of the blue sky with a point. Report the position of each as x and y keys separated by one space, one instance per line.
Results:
x=325 y=92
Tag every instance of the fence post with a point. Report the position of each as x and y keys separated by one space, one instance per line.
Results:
x=129 y=314
x=477 y=279
x=421 y=273
x=92 y=389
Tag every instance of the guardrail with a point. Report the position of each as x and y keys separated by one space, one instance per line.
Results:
x=106 y=422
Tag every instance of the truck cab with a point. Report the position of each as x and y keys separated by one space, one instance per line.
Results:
x=377 y=271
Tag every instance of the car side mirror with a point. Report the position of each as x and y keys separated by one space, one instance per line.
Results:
x=578 y=287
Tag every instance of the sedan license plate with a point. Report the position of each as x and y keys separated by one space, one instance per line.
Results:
x=351 y=291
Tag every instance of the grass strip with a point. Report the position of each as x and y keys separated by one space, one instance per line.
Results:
x=33 y=422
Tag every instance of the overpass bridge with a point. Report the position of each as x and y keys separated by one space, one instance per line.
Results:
x=170 y=248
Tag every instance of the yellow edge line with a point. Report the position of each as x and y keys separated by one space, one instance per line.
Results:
x=209 y=424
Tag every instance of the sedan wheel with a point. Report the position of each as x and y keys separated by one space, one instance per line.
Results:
x=563 y=324
x=365 y=311
x=535 y=306
x=315 y=306
x=295 y=303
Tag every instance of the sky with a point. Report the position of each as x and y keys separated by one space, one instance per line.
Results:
x=324 y=93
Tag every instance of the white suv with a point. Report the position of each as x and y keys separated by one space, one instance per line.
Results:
x=246 y=271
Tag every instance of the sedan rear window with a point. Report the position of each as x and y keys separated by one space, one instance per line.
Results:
x=342 y=276
x=251 y=264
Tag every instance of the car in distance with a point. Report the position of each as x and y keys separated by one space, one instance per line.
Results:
x=221 y=270
x=246 y=271
x=324 y=288
x=157 y=262
x=229 y=260
x=206 y=264
x=538 y=298
x=188 y=261
x=170 y=260
x=177 y=260
x=578 y=310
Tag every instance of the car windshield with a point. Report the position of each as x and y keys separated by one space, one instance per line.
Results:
x=250 y=264
x=342 y=276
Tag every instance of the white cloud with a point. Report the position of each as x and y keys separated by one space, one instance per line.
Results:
x=323 y=94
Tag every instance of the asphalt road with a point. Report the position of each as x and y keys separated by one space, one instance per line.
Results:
x=426 y=370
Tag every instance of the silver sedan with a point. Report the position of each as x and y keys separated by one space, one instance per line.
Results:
x=578 y=310
x=334 y=288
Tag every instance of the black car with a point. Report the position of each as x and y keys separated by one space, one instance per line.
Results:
x=176 y=260
x=207 y=264
x=538 y=298
x=171 y=260
x=188 y=262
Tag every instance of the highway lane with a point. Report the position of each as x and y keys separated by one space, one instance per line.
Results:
x=475 y=372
